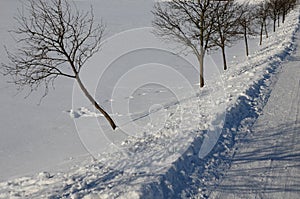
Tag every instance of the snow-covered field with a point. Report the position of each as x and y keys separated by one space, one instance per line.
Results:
x=165 y=144
x=35 y=137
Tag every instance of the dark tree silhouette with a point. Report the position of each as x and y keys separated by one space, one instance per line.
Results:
x=247 y=16
x=55 y=39
x=189 y=23
x=274 y=7
x=285 y=7
x=226 y=26
x=262 y=14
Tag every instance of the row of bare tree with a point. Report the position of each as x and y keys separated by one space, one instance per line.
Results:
x=55 y=39
x=203 y=25
x=273 y=10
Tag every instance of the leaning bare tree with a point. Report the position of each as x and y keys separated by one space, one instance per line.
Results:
x=189 y=23
x=54 y=42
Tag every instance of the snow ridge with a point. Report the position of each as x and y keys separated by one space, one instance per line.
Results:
x=190 y=176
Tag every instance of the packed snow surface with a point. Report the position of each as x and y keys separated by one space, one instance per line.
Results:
x=266 y=162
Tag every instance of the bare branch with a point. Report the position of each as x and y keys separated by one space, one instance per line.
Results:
x=52 y=39
x=189 y=23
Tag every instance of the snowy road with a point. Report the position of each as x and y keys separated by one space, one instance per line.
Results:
x=267 y=160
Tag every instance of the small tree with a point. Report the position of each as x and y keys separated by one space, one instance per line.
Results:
x=190 y=23
x=286 y=6
x=54 y=42
x=284 y=9
x=226 y=26
x=292 y=4
x=246 y=23
x=262 y=13
x=274 y=9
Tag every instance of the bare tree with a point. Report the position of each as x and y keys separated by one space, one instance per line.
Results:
x=54 y=42
x=274 y=7
x=286 y=6
x=284 y=9
x=246 y=23
x=262 y=14
x=292 y=4
x=190 y=23
x=226 y=26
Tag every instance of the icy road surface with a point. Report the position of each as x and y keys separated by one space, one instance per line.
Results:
x=267 y=160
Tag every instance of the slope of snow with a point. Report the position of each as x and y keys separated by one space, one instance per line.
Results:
x=31 y=133
x=176 y=161
x=266 y=161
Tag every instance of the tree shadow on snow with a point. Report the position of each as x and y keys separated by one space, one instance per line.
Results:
x=270 y=167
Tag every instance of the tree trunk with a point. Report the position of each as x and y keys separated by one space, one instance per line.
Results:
x=266 y=29
x=274 y=25
x=283 y=14
x=246 y=42
x=224 y=57
x=201 y=63
x=278 y=20
x=261 y=34
x=93 y=101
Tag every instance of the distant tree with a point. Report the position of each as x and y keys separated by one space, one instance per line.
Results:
x=189 y=23
x=292 y=4
x=246 y=19
x=226 y=26
x=262 y=14
x=54 y=42
x=274 y=9
x=286 y=7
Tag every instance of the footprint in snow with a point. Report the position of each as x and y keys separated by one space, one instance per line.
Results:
x=82 y=112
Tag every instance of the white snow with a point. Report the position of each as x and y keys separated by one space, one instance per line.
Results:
x=83 y=112
x=31 y=133
x=180 y=157
x=266 y=161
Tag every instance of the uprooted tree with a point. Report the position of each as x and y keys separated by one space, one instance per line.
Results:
x=53 y=42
